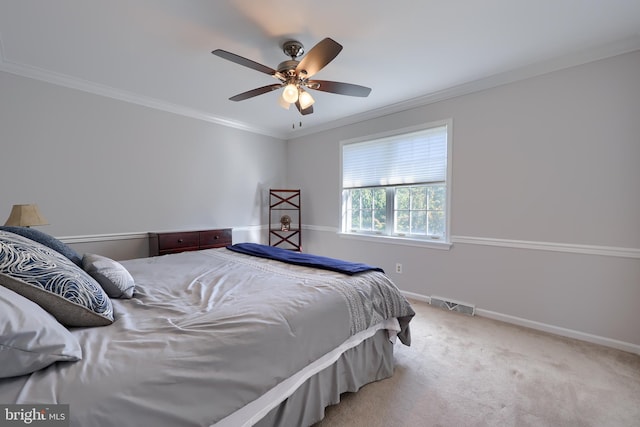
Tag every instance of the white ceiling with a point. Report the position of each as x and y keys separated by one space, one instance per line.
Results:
x=158 y=52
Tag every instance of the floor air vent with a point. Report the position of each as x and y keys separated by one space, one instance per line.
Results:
x=451 y=305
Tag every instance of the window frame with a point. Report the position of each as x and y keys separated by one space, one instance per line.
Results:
x=443 y=242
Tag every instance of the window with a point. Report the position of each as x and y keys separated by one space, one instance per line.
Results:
x=396 y=184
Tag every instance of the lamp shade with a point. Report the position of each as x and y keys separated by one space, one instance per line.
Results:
x=25 y=216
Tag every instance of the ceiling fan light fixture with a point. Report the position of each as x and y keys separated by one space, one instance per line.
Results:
x=283 y=103
x=290 y=93
x=306 y=100
x=293 y=75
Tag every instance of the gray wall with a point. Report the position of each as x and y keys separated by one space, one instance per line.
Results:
x=545 y=173
x=545 y=202
x=97 y=165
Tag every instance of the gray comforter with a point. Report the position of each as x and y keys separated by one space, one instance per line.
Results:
x=206 y=333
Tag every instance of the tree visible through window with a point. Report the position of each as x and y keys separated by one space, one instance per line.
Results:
x=368 y=211
x=419 y=210
x=397 y=185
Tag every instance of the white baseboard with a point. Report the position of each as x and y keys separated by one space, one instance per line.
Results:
x=417 y=297
x=557 y=330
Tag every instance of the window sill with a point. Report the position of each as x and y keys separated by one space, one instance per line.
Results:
x=395 y=240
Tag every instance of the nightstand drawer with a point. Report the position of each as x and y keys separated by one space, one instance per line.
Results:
x=178 y=242
x=215 y=238
x=181 y=241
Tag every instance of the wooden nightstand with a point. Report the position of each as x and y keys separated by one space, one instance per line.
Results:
x=181 y=241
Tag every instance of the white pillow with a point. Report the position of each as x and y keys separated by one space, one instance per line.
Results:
x=31 y=338
x=112 y=276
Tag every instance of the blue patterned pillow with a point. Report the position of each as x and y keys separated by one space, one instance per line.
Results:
x=47 y=240
x=52 y=281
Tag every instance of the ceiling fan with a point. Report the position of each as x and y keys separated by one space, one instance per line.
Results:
x=294 y=75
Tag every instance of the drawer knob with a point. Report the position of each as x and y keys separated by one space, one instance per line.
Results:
x=180 y=240
x=216 y=237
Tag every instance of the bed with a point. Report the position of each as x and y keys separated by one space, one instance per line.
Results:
x=216 y=337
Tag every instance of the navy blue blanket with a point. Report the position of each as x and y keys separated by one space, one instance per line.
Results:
x=298 y=258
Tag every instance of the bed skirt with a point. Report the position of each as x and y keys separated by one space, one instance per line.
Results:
x=371 y=360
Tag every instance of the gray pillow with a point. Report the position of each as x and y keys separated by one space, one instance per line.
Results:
x=112 y=276
x=30 y=338
x=47 y=240
x=53 y=282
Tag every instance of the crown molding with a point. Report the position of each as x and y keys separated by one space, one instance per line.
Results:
x=609 y=50
x=59 y=79
x=532 y=70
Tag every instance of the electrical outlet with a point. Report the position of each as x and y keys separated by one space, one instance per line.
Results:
x=398 y=268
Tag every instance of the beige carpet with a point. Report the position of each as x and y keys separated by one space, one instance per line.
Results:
x=472 y=371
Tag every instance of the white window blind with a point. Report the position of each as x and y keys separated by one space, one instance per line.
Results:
x=417 y=157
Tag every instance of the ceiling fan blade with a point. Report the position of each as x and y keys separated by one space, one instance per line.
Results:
x=306 y=111
x=319 y=56
x=244 y=61
x=255 y=92
x=339 y=88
